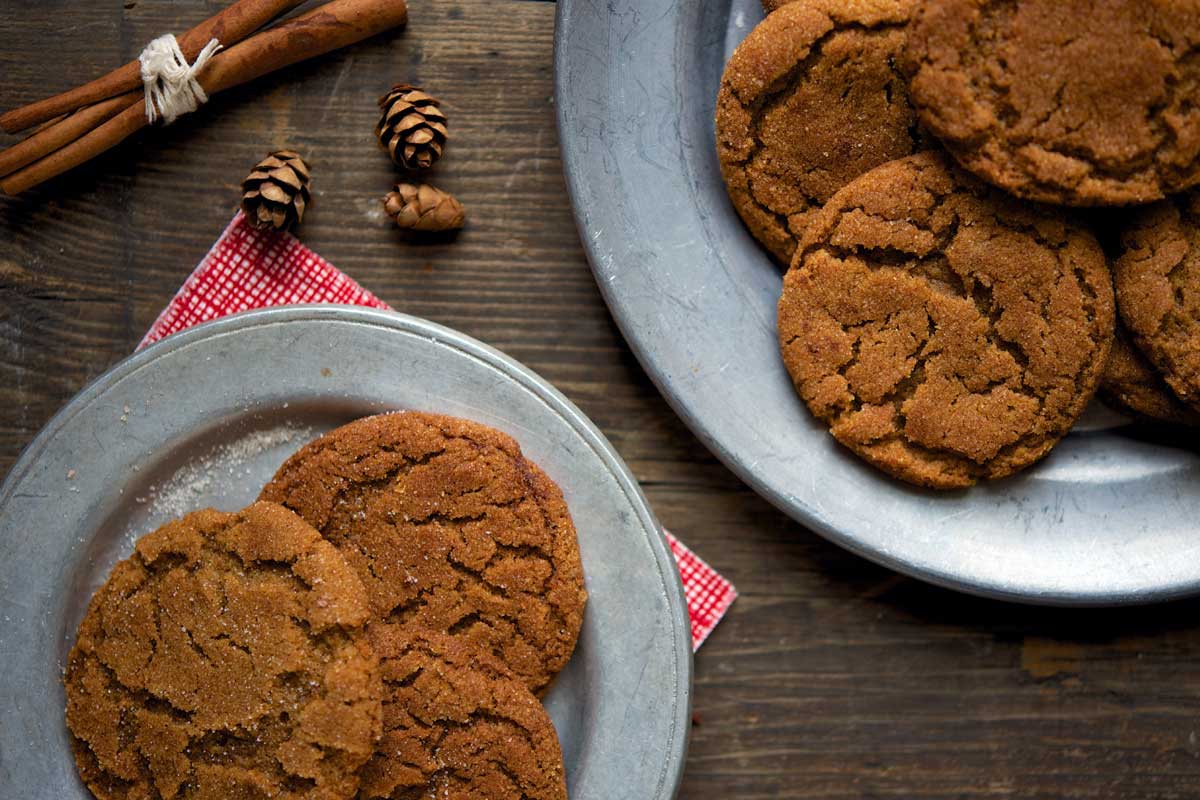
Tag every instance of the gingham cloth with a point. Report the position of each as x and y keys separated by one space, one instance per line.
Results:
x=247 y=268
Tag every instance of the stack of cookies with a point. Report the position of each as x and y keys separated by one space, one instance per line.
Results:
x=930 y=173
x=380 y=624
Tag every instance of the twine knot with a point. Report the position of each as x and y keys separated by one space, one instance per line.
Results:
x=171 y=86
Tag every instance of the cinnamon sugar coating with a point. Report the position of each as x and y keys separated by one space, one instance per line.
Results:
x=812 y=98
x=1078 y=102
x=452 y=531
x=226 y=658
x=944 y=331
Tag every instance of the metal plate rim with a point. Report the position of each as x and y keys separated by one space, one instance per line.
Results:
x=606 y=69
x=675 y=751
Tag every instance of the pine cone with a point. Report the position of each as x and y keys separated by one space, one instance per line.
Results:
x=275 y=193
x=421 y=207
x=412 y=128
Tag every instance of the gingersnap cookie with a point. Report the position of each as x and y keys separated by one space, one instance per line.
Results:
x=811 y=99
x=451 y=529
x=1079 y=102
x=1158 y=290
x=457 y=723
x=227 y=657
x=1130 y=383
x=944 y=331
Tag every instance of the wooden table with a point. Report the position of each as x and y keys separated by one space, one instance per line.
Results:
x=830 y=678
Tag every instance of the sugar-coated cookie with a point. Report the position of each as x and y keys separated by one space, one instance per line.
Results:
x=228 y=657
x=1078 y=102
x=458 y=724
x=1131 y=384
x=1158 y=290
x=812 y=98
x=943 y=330
x=451 y=529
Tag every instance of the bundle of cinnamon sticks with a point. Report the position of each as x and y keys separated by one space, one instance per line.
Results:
x=79 y=125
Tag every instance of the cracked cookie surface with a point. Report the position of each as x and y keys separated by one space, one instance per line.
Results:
x=451 y=530
x=1079 y=102
x=811 y=99
x=945 y=332
x=1158 y=289
x=458 y=724
x=1130 y=383
x=228 y=657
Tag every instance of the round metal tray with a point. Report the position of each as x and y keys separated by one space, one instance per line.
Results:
x=1109 y=517
x=206 y=416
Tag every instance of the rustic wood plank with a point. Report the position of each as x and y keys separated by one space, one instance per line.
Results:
x=832 y=678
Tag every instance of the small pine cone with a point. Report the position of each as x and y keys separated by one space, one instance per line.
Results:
x=421 y=207
x=275 y=193
x=412 y=127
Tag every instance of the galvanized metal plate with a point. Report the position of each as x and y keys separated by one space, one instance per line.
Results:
x=206 y=416
x=1110 y=517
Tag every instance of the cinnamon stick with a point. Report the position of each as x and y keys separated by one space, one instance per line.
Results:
x=64 y=131
x=329 y=27
x=228 y=27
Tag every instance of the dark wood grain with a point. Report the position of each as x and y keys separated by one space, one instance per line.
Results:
x=831 y=678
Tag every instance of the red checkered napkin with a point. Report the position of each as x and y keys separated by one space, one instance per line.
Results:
x=247 y=268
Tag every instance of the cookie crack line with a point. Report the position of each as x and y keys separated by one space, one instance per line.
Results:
x=1095 y=365
x=174 y=678
x=984 y=305
x=350 y=488
x=147 y=700
x=773 y=94
x=1175 y=325
x=458 y=520
x=160 y=703
x=1174 y=318
x=511 y=595
x=924 y=259
x=977 y=190
x=1167 y=135
x=320 y=446
x=492 y=536
x=153 y=641
x=459 y=742
x=940 y=200
x=987 y=88
x=993 y=78
x=815 y=51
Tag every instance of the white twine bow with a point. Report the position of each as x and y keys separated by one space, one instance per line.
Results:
x=171 y=86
